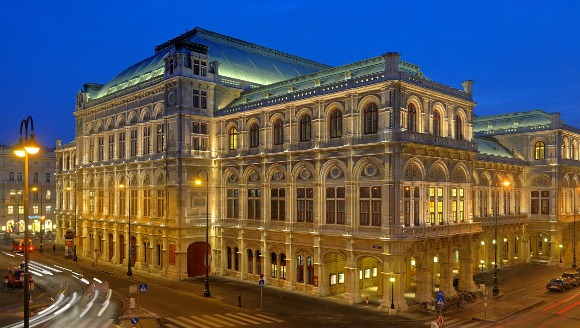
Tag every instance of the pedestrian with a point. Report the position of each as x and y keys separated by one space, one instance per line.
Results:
x=54 y=248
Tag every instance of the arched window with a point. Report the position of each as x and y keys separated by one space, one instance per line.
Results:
x=371 y=119
x=336 y=124
x=458 y=128
x=233 y=138
x=278 y=132
x=540 y=150
x=254 y=136
x=412 y=118
x=436 y=123
x=305 y=128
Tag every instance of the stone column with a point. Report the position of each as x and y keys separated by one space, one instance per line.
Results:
x=466 y=275
x=352 y=288
x=446 y=279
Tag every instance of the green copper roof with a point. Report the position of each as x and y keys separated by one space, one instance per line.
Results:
x=329 y=76
x=238 y=60
x=535 y=118
x=491 y=147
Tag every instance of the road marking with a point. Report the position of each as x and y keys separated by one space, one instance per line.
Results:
x=267 y=317
x=243 y=318
x=230 y=319
x=206 y=321
x=254 y=317
x=192 y=322
x=179 y=323
x=568 y=308
x=207 y=316
x=170 y=325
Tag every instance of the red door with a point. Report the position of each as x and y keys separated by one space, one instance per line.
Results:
x=196 y=259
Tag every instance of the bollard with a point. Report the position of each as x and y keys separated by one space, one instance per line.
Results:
x=367 y=303
x=240 y=300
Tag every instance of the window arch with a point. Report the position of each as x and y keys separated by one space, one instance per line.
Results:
x=540 y=150
x=336 y=124
x=305 y=128
x=371 y=116
x=233 y=134
x=278 y=132
x=412 y=118
x=458 y=127
x=254 y=136
x=436 y=123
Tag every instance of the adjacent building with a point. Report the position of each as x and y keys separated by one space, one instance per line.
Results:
x=41 y=197
x=326 y=180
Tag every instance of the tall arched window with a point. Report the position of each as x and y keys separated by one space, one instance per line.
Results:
x=254 y=136
x=336 y=124
x=233 y=134
x=458 y=128
x=371 y=120
x=278 y=132
x=540 y=150
x=436 y=123
x=305 y=128
x=412 y=118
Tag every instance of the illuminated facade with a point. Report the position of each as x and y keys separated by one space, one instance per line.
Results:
x=42 y=198
x=327 y=180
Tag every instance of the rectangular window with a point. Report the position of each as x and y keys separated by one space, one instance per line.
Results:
x=47 y=177
x=133 y=142
x=121 y=147
x=370 y=206
x=254 y=204
x=35 y=209
x=133 y=200
x=91 y=201
x=146 y=140
x=91 y=149
x=160 y=138
x=111 y=201
x=101 y=149
x=411 y=206
x=100 y=201
x=540 y=202
x=160 y=203
x=10 y=209
x=335 y=205
x=146 y=202
x=232 y=203
x=305 y=204
x=111 y=146
x=278 y=204
x=200 y=99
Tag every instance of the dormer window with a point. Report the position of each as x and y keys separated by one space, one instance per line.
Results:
x=171 y=63
x=199 y=67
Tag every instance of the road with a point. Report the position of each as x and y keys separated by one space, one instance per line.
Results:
x=180 y=304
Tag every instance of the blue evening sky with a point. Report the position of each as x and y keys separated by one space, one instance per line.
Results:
x=522 y=55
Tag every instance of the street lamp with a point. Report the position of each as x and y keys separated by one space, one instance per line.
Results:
x=41 y=217
x=198 y=182
x=561 y=252
x=129 y=271
x=495 y=284
x=25 y=147
x=482 y=262
x=17 y=224
x=574 y=240
x=392 y=280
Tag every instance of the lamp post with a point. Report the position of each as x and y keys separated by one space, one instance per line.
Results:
x=482 y=262
x=129 y=271
x=392 y=280
x=495 y=282
x=26 y=146
x=37 y=189
x=198 y=181
x=574 y=239
x=561 y=252
x=69 y=188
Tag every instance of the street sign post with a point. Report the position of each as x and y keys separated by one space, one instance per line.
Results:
x=142 y=288
x=440 y=300
x=261 y=284
x=135 y=320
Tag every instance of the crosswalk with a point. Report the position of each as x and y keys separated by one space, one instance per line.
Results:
x=220 y=320
x=79 y=322
x=459 y=323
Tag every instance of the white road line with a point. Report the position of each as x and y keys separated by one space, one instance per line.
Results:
x=205 y=321
x=243 y=319
x=207 y=316
x=109 y=323
x=268 y=317
x=179 y=323
x=230 y=319
x=245 y=315
x=193 y=322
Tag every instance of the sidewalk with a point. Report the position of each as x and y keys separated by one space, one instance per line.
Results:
x=498 y=308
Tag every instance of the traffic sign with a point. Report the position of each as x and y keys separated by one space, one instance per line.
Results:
x=261 y=283
x=135 y=320
x=440 y=300
x=142 y=288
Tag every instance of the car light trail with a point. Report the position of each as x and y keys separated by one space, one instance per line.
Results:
x=105 y=303
x=90 y=305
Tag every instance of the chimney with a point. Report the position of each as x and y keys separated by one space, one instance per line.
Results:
x=468 y=87
x=392 y=64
